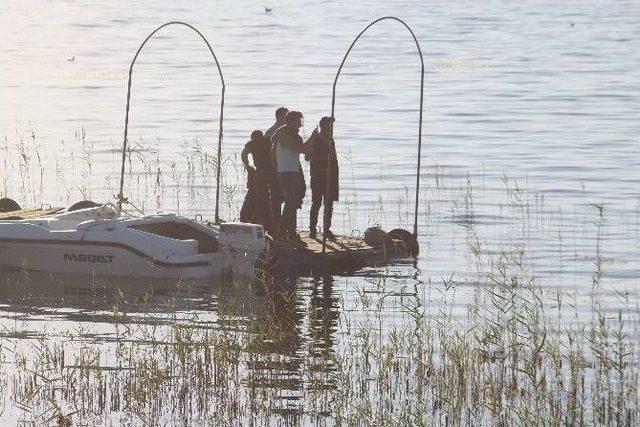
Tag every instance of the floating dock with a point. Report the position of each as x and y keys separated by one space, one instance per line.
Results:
x=342 y=255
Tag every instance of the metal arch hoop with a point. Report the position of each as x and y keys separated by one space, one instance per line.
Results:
x=120 y=196
x=333 y=104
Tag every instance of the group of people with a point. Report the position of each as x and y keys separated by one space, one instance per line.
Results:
x=276 y=177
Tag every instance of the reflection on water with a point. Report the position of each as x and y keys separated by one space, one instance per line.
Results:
x=81 y=297
x=290 y=328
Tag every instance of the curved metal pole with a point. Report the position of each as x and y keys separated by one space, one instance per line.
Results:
x=333 y=105
x=120 y=196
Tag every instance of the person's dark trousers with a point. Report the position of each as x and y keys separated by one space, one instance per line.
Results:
x=317 y=197
x=276 y=204
x=289 y=188
x=247 y=212
x=256 y=209
x=257 y=204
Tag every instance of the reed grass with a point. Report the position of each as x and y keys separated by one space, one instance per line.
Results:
x=509 y=362
x=385 y=348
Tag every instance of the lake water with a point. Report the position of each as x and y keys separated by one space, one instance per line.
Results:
x=531 y=139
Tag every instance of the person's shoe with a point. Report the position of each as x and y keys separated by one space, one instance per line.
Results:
x=329 y=235
x=313 y=233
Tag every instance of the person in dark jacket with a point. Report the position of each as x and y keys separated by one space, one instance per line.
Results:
x=321 y=153
x=257 y=206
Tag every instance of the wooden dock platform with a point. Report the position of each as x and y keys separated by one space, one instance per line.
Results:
x=29 y=213
x=343 y=254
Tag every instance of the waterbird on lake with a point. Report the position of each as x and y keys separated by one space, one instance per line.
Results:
x=72 y=59
x=267 y=9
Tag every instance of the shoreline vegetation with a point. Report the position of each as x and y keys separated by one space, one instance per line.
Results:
x=516 y=358
x=501 y=347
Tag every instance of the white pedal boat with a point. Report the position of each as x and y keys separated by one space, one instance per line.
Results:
x=99 y=241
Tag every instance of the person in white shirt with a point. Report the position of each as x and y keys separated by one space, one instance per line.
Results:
x=289 y=146
x=274 y=190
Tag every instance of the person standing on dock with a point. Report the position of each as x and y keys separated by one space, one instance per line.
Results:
x=289 y=145
x=257 y=207
x=321 y=153
x=281 y=116
x=274 y=190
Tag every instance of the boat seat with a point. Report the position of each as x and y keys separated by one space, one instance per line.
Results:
x=151 y=244
x=180 y=231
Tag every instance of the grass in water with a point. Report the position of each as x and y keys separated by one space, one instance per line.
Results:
x=277 y=351
x=384 y=348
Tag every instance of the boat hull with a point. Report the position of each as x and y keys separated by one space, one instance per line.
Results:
x=97 y=241
x=109 y=259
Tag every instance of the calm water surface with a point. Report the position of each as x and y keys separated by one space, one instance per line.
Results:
x=532 y=125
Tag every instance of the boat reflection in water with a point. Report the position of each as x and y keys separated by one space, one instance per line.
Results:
x=286 y=327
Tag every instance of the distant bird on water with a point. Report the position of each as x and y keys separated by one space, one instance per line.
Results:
x=72 y=59
x=267 y=9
